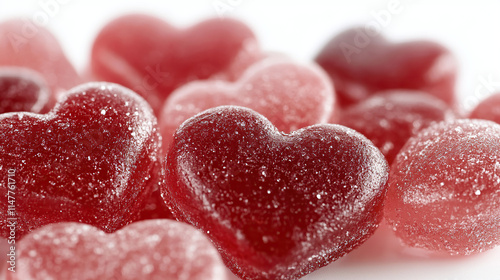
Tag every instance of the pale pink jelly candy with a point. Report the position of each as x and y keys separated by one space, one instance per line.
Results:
x=289 y=94
x=153 y=58
x=488 y=109
x=24 y=44
x=444 y=188
x=153 y=250
x=389 y=118
x=22 y=90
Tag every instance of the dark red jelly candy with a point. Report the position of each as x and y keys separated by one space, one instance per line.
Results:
x=488 y=109
x=278 y=206
x=153 y=58
x=444 y=188
x=22 y=90
x=94 y=159
x=24 y=44
x=389 y=119
x=361 y=63
x=289 y=94
x=155 y=250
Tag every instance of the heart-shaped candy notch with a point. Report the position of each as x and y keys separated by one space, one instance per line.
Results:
x=93 y=159
x=361 y=63
x=153 y=249
x=289 y=94
x=277 y=206
x=153 y=58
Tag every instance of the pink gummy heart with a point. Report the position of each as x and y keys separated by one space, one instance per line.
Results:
x=361 y=63
x=92 y=159
x=153 y=58
x=444 y=188
x=277 y=206
x=24 y=44
x=290 y=95
x=153 y=250
x=488 y=109
x=22 y=90
x=390 y=118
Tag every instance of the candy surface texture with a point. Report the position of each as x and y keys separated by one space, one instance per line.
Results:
x=389 y=119
x=444 y=188
x=277 y=206
x=155 y=249
x=93 y=159
x=289 y=94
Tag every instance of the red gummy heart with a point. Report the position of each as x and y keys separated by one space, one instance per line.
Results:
x=390 y=118
x=22 y=90
x=151 y=57
x=155 y=249
x=488 y=109
x=444 y=188
x=290 y=95
x=362 y=63
x=24 y=44
x=277 y=206
x=92 y=159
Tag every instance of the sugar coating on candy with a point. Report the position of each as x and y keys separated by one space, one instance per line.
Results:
x=277 y=206
x=22 y=90
x=289 y=94
x=361 y=64
x=390 y=118
x=24 y=44
x=151 y=57
x=444 y=188
x=94 y=159
x=154 y=249
x=488 y=109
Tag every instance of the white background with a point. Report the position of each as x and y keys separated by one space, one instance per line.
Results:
x=471 y=29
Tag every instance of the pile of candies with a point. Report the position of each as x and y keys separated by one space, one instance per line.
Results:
x=183 y=152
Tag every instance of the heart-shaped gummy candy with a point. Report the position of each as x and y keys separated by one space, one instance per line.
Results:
x=154 y=250
x=153 y=58
x=361 y=62
x=92 y=159
x=277 y=206
x=290 y=95
x=24 y=44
